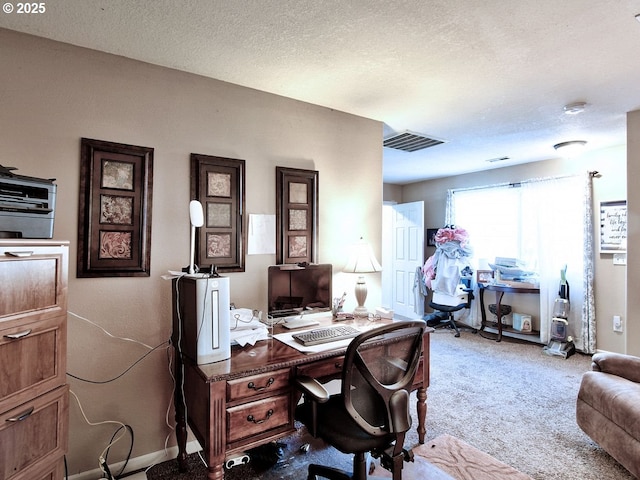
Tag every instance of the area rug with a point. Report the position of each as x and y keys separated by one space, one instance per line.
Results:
x=443 y=458
x=464 y=462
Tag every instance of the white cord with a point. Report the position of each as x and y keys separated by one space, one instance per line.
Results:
x=101 y=459
x=109 y=334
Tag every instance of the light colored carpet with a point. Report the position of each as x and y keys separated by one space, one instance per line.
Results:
x=515 y=403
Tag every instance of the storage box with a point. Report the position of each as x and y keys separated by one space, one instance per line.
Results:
x=441 y=298
x=522 y=322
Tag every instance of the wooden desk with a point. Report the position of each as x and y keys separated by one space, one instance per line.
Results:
x=249 y=400
x=500 y=291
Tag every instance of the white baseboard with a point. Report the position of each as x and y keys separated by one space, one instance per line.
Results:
x=139 y=463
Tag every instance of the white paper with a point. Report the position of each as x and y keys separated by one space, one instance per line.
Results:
x=262 y=234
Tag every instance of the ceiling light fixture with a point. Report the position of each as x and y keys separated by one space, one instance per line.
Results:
x=497 y=159
x=638 y=17
x=571 y=148
x=575 y=108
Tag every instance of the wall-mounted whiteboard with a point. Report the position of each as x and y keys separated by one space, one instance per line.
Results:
x=613 y=227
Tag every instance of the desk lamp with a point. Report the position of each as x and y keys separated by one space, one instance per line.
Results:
x=196 y=217
x=362 y=260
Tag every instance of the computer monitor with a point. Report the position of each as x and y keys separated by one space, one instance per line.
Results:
x=292 y=288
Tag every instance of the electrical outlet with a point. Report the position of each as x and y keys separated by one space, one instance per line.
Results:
x=617 y=323
x=619 y=258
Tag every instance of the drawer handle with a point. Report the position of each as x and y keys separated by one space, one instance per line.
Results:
x=19 y=254
x=16 y=336
x=338 y=366
x=22 y=416
x=250 y=418
x=253 y=386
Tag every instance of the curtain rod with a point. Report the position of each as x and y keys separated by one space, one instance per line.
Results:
x=591 y=173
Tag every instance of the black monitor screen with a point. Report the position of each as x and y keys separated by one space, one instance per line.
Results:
x=293 y=288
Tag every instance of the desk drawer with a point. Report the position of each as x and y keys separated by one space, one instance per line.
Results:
x=32 y=359
x=33 y=435
x=331 y=367
x=257 y=417
x=248 y=387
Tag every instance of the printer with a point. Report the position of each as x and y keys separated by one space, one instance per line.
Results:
x=27 y=205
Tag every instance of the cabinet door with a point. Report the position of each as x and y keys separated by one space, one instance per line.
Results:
x=34 y=281
x=32 y=360
x=34 y=435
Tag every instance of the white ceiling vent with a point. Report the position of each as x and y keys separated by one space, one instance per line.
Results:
x=410 y=141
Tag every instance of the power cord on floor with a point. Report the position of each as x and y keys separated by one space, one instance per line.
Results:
x=102 y=459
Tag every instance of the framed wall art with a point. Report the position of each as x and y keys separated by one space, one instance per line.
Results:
x=114 y=217
x=219 y=184
x=296 y=215
x=613 y=227
x=431 y=237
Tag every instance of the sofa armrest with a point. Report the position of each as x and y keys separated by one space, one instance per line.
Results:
x=625 y=366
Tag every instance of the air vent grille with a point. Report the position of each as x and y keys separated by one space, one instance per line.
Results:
x=410 y=142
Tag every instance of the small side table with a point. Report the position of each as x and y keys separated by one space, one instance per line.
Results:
x=500 y=291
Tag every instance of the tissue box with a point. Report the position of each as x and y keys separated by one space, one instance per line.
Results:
x=384 y=312
x=522 y=322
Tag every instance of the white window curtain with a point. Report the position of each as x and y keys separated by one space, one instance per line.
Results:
x=548 y=224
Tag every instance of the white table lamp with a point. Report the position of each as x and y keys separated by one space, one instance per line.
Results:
x=362 y=260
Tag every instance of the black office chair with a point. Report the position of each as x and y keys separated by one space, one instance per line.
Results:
x=371 y=414
x=443 y=315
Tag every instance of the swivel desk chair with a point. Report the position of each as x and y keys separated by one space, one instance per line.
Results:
x=371 y=413
x=444 y=312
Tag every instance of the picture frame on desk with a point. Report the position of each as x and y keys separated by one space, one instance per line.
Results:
x=484 y=276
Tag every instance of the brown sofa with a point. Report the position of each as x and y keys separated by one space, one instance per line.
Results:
x=608 y=407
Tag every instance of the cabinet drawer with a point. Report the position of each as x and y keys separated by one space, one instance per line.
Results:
x=257 y=417
x=33 y=280
x=331 y=367
x=33 y=435
x=32 y=360
x=247 y=387
x=53 y=471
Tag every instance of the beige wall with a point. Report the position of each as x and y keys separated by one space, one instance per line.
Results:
x=633 y=261
x=53 y=94
x=610 y=280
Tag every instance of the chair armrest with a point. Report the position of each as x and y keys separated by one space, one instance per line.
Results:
x=399 y=408
x=625 y=366
x=312 y=388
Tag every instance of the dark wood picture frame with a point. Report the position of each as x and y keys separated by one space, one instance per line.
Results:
x=484 y=276
x=296 y=215
x=431 y=236
x=218 y=183
x=114 y=215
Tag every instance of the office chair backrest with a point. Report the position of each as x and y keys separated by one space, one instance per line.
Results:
x=377 y=376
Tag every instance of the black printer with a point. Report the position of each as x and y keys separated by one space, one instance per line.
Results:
x=27 y=205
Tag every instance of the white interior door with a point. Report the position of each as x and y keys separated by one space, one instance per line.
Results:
x=407 y=253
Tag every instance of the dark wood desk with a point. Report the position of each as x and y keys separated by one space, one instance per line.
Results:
x=500 y=291
x=249 y=400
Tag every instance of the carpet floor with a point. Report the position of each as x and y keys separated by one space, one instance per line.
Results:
x=507 y=399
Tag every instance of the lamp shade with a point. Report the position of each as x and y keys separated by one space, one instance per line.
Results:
x=361 y=259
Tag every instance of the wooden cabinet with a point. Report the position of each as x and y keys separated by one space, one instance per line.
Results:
x=34 y=399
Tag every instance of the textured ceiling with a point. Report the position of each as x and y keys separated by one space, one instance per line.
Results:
x=489 y=77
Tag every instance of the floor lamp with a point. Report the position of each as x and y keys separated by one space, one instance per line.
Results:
x=362 y=260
